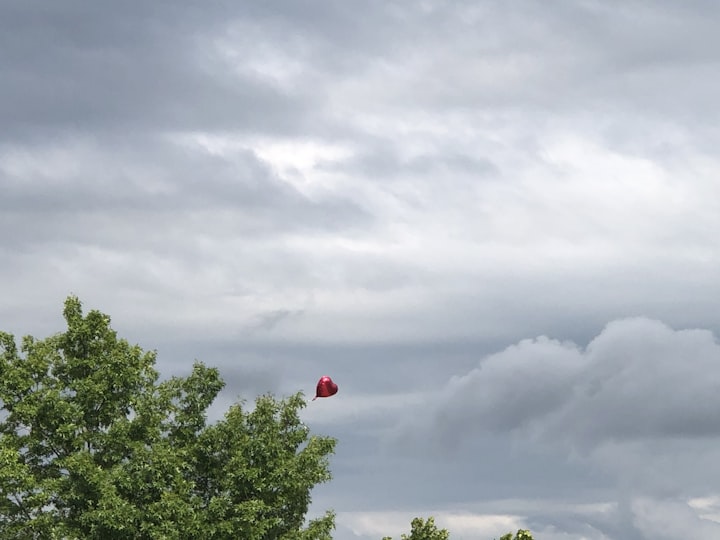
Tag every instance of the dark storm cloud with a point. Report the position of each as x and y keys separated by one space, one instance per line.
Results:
x=136 y=66
x=79 y=66
x=140 y=67
x=160 y=66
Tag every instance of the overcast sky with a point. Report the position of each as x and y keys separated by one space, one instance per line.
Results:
x=495 y=224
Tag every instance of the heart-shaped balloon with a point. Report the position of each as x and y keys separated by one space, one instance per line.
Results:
x=325 y=388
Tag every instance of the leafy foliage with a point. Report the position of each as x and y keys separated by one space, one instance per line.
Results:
x=92 y=445
x=522 y=534
x=421 y=529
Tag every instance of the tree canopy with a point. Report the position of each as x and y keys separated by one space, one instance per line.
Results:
x=94 y=445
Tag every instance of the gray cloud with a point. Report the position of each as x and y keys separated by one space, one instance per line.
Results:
x=160 y=180
x=638 y=379
x=623 y=425
x=177 y=67
x=141 y=68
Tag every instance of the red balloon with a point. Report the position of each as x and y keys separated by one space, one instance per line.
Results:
x=325 y=388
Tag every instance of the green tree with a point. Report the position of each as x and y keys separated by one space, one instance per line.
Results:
x=522 y=534
x=421 y=529
x=427 y=530
x=94 y=445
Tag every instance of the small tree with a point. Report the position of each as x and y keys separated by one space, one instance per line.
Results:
x=92 y=445
x=424 y=530
x=520 y=535
x=427 y=530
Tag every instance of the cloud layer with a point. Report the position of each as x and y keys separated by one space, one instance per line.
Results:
x=394 y=195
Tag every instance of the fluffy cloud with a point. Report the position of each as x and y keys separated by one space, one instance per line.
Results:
x=637 y=380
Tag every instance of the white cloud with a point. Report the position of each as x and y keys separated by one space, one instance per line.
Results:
x=669 y=520
x=708 y=507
